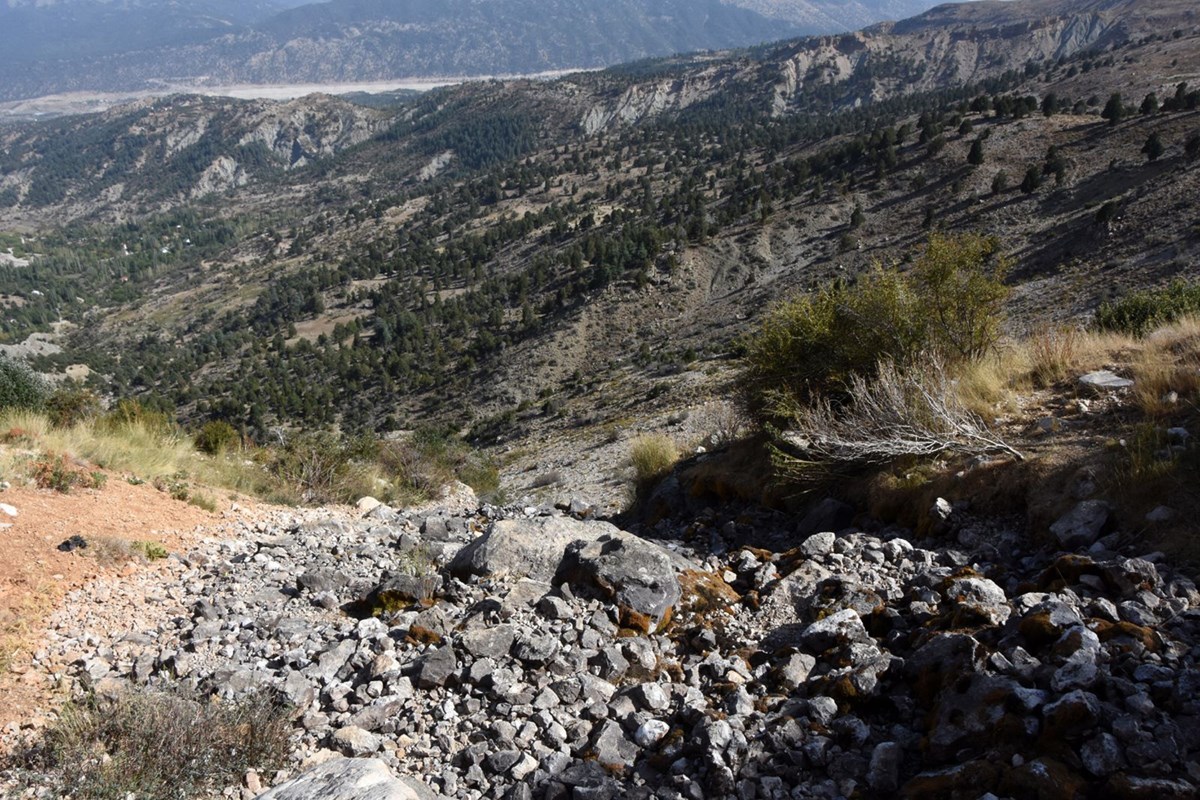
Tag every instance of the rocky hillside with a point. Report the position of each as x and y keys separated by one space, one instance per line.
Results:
x=166 y=152
x=467 y=650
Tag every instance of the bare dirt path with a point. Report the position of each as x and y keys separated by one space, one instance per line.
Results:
x=35 y=575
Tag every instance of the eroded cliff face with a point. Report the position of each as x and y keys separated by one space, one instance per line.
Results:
x=901 y=60
x=888 y=59
x=646 y=100
x=310 y=127
x=187 y=146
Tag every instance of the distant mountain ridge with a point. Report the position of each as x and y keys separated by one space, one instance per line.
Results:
x=117 y=45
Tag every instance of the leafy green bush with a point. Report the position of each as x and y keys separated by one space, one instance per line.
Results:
x=1141 y=312
x=151 y=551
x=70 y=405
x=20 y=387
x=949 y=304
x=216 y=437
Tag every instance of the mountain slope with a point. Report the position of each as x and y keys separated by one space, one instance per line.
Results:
x=835 y=17
x=95 y=46
x=526 y=253
x=104 y=45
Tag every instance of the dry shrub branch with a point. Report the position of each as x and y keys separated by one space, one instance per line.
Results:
x=900 y=412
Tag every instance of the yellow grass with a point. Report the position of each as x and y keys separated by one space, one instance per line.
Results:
x=1166 y=371
x=132 y=448
x=653 y=455
x=989 y=386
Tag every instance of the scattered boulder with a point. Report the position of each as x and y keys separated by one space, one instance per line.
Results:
x=531 y=548
x=1104 y=381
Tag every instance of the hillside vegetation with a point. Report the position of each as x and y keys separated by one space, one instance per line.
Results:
x=512 y=258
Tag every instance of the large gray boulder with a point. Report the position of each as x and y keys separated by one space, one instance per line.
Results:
x=1104 y=381
x=531 y=548
x=346 y=779
x=638 y=576
x=534 y=548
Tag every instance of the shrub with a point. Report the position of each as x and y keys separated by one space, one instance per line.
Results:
x=174 y=485
x=1032 y=180
x=20 y=387
x=1140 y=312
x=1153 y=148
x=949 y=304
x=1191 y=147
x=56 y=471
x=216 y=437
x=320 y=468
x=163 y=746
x=151 y=551
x=431 y=458
x=70 y=405
x=1000 y=182
x=132 y=413
x=960 y=281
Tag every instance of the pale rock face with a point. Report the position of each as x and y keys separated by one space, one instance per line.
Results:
x=344 y=779
x=222 y=175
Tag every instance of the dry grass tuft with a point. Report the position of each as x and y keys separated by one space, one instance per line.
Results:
x=989 y=386
x=653 y=455
x=1167 y=370
x=1052 y=354
x=902 y=412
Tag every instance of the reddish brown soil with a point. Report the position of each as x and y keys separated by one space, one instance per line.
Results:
x=35 y=575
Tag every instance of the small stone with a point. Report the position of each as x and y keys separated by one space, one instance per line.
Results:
x=1102 y=755
x=650 y=733
x=1082 y=525
x=941 y=509
x=842 y=627
x=651 y=697
x=817 y=545
x=366 y=505
x=980 y=598
x=611 y=747
x=793 y=672
x=1161 y=514
x=354 y=741
x=436 y=668
x=883 y=775
x=523 y=768
x=822 y=709
x=501 y=761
